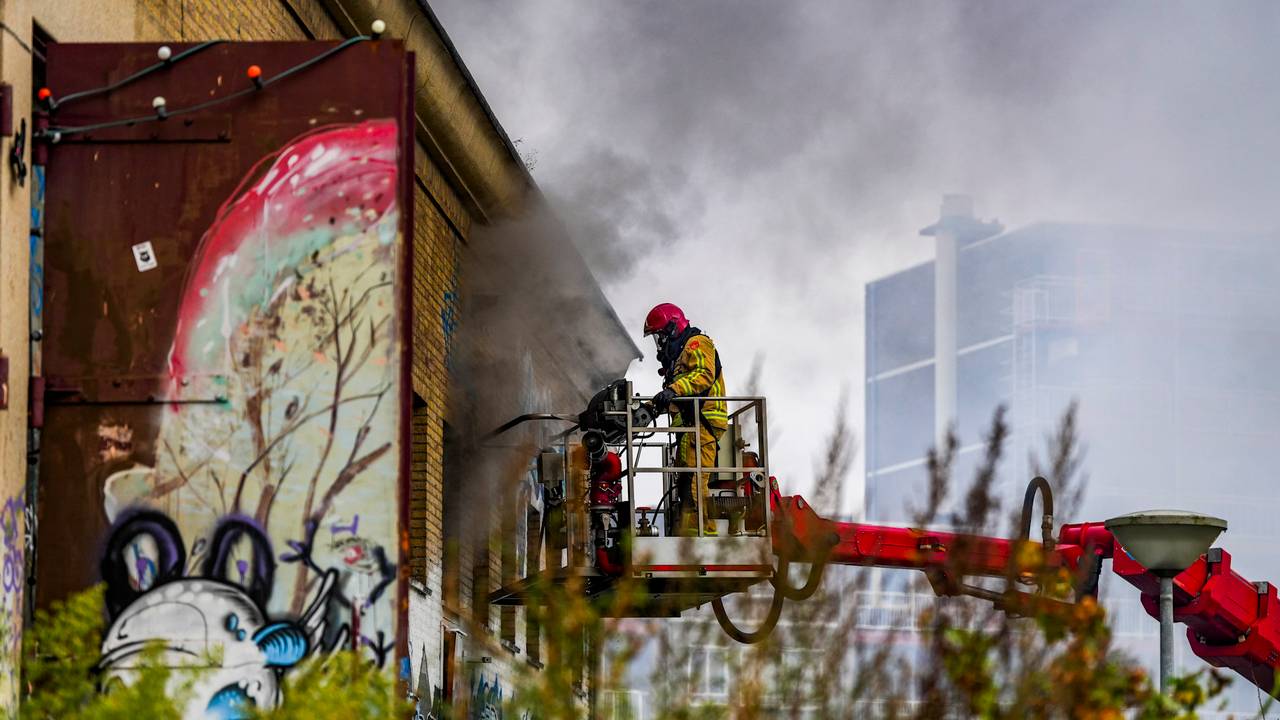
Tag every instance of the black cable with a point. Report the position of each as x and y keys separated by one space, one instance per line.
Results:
x=57 y=132
x=30 y=50
x=59 y=102
x=526 y=418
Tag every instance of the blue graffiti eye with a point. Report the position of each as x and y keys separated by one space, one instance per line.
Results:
x=229 y=703
x=233 y=622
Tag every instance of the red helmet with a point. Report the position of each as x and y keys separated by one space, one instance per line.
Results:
x=663 y=315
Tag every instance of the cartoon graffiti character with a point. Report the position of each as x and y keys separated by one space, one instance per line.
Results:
x=359 y=565
x=212 y=628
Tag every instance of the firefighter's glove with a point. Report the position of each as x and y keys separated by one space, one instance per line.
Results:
x=662 y=401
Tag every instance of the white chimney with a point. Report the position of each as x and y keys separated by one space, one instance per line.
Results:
x=956 y=223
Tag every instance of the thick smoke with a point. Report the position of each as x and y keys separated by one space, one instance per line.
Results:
x=620 y=209
x=536 y=336
x=820 y=136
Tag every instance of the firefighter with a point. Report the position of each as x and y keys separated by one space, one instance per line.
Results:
x=690 y=367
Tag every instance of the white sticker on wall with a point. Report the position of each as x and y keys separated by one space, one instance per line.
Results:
x=144 y=256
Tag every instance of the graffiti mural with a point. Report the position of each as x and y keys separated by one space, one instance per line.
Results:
x=486 y=698
x=281 y=428
x=215 y=622
x=12 y=533
x=487 y=701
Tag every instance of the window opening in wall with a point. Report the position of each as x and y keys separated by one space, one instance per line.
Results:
x=449 y=672
x=623 y=705
x=452 y=520
x=512 y=541
x=533 y=565
x=419 y=511
x=482 y=542
x=709 y=671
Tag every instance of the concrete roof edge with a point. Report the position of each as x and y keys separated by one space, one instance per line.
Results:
x=454 y=121
x=452 y=49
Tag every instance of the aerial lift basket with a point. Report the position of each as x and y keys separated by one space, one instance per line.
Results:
x=612 y=520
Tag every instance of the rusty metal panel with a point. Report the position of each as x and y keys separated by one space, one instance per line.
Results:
x=225 y=354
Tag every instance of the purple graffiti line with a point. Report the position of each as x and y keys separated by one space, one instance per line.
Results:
x=11 y=517
x=208 y=616
x=335 y=528
x=379 y=646
x=144 y=566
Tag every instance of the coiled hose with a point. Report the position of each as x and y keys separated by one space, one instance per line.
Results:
x=770 y=620
x=782 y=591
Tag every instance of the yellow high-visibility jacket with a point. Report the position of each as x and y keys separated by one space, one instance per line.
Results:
x=695 y=374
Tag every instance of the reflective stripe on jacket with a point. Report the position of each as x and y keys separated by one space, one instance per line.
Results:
x=695 y=375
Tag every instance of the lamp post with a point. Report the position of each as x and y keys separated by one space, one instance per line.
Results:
x=1166 y=542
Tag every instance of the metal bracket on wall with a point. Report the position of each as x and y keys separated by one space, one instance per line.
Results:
x=4 y=382
x=208 y=128
x=18 y=155
x=195 y=390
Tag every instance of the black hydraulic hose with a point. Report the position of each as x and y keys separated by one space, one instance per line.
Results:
x=1037 y=484
x=526 y=418
x=782 y=583
x=749 y=638
x=766 y=627
x=1046 y=500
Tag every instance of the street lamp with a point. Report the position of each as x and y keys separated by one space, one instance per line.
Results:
x=1166 y=542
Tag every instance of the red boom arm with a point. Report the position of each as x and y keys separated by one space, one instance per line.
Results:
x=1231 y=622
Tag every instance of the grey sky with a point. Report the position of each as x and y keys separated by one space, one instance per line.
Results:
x=796 y=148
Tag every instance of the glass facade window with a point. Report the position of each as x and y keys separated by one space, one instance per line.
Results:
x=983 y=382
x=895 y=496
x=983 y=290
x=900 y=417
x=900 y=320
x=1167 y=340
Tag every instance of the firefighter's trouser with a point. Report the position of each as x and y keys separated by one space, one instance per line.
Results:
x=708 y=444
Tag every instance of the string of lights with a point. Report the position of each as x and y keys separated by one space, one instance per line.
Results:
x=167 y=59
x=54 y=133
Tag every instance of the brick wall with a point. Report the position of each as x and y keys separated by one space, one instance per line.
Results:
x=195 y=20
x=442 y=226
